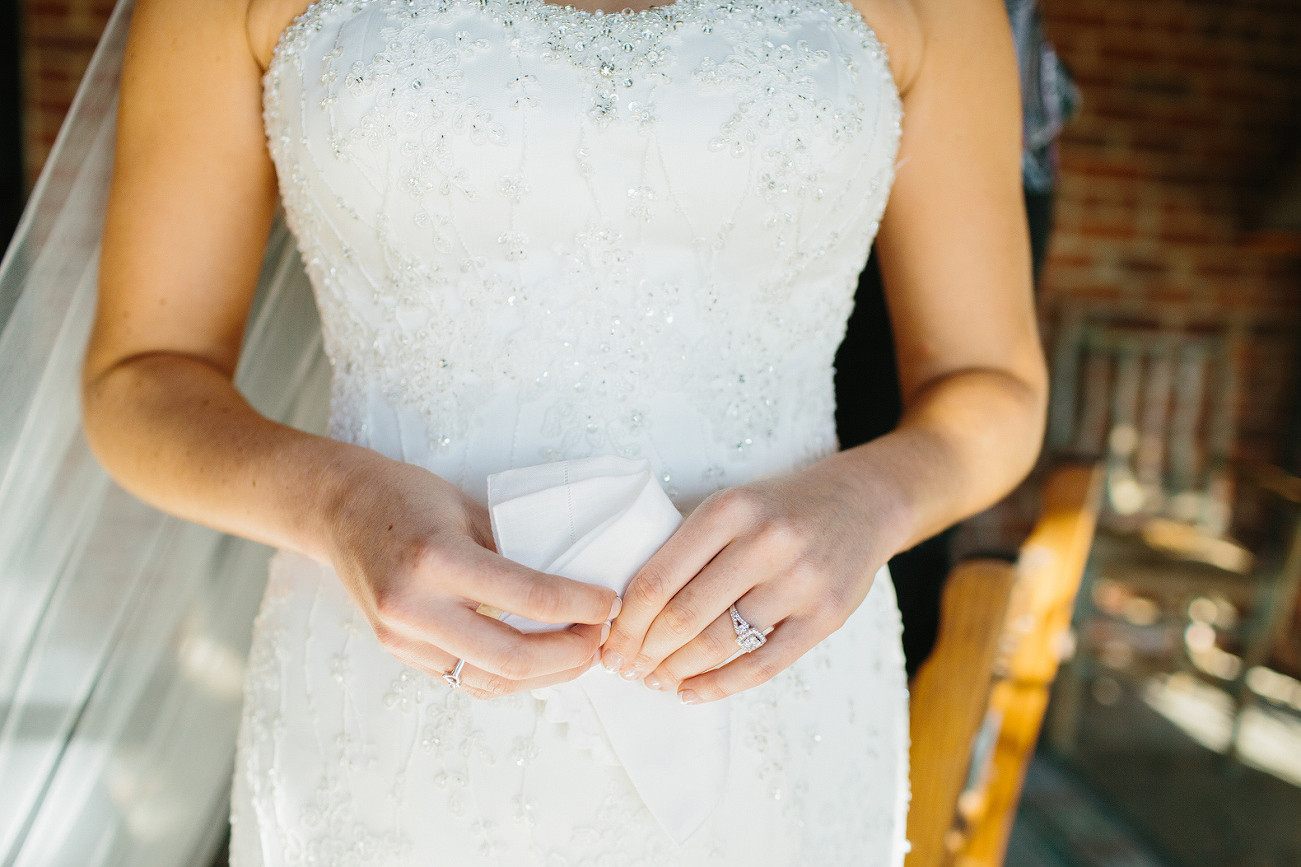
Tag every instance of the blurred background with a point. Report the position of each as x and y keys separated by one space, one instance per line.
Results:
x=1169 y=304
x=1170 y=301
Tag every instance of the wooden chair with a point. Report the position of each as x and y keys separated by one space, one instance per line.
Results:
x=1185 y=529
x=978 y=701
x=1158 y=406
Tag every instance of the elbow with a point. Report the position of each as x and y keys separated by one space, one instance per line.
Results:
x=1013 y=418
x=114 y=394
x=1030 y=391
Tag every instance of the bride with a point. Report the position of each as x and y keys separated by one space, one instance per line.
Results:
x=536 y=234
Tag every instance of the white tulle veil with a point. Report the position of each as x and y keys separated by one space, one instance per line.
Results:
x=123 y=631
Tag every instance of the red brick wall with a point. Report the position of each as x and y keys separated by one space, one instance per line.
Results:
x=1190 y=127
x=1191 y=116
x=59 y=37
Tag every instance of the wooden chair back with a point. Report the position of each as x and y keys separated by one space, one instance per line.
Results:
x=1001 y=637
x=1158 y=405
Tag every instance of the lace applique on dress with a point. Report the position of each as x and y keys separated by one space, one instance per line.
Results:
x=486 y=286
x=537 y=233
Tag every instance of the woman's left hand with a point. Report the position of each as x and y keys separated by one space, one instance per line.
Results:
x=797 y=554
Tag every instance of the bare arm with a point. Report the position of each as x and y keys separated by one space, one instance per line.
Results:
x=193 y=195
x=800 y=552
x=188 y=216
x=955 y=257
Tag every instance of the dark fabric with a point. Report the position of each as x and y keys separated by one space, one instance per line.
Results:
x=1049 y=96
x=869 y=404
x=11 y=112
x=1039 y=213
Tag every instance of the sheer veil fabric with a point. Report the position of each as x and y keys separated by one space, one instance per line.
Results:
x=123 y=631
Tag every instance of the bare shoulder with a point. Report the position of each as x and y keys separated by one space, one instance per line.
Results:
x=923 y=34
x=183 y=25
x=193 y=189
x=897 y=24
x=267 y=19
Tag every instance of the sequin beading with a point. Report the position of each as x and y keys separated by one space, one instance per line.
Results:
x=538 y=233
x=567 y=229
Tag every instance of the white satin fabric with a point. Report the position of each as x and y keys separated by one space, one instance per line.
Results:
x=538 y=234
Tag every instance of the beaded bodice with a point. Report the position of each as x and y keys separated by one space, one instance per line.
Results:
x=536 y=232
x=539 y=233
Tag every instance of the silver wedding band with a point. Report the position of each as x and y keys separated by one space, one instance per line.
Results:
x=748 y=638
x=453 y=677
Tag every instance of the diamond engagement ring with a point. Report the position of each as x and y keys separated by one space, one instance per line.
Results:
x=453 y=677
x=747 y=637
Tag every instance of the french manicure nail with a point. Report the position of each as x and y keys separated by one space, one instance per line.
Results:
x=612 y=661
x=653 y=682
x=605 y=632
x=688 y=696
x=630 y=674
x=615 y=608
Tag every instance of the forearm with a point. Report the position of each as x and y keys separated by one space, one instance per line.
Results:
x=174 y=431
x=964 y=442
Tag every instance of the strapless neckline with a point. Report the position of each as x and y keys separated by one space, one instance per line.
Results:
x=537 y=8
x=559 y=18
x=440 y=132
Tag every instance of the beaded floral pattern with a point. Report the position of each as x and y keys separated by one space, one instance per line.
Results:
x=690 y=234
x=537 y=233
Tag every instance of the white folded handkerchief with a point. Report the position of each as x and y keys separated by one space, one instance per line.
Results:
x=598 y=520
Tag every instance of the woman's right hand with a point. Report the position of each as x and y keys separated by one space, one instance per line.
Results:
x=416 y=556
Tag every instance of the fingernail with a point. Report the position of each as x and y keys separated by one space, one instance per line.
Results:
x=653 y=682
x=688 y=696
x=615 y=608
x=605 y=632
x=630 y=674
x=612 y=661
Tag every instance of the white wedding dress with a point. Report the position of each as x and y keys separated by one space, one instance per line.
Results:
x=537 y=233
